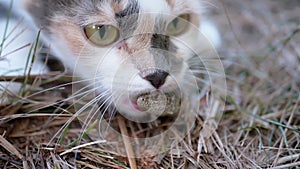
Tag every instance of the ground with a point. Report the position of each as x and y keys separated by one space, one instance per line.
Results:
x=260 y=127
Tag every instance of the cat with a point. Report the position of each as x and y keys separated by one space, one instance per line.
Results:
x=124 y=48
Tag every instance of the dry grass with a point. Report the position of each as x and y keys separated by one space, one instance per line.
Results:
x=260 y=127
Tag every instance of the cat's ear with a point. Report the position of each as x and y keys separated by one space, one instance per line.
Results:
x=33 y=3
x=37 y=10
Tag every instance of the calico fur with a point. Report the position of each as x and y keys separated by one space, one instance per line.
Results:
x=123 y=70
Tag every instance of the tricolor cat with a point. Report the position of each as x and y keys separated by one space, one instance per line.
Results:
x=124 y=48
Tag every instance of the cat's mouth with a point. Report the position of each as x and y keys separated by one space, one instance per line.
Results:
x=157 y=103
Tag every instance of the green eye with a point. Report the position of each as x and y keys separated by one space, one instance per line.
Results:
x=101 y=35
x=178 y=25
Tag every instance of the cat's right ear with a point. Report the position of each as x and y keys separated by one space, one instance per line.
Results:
x=37 y=10
x=33 y=9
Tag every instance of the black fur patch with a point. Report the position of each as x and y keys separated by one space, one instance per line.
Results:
x=159 y=38
x=160 y=41
x=162 y=50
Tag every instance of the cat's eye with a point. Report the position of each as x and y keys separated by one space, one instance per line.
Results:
x=178 y=25
x=102 y=35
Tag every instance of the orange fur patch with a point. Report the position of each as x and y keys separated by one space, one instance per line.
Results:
x=71 y=34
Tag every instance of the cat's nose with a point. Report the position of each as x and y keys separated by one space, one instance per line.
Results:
x=157 y=78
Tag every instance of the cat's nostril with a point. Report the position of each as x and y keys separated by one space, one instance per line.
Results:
x=157 y=78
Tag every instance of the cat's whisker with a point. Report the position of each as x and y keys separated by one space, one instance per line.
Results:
x=95 y=112
x=62 y=86
x=207 y=83
x=107 y=104
x=208 y=73
x=92 y=102
x=113 y=112
x=209 y=4
x=76 y=115
x=82 y=96
x=73 y=96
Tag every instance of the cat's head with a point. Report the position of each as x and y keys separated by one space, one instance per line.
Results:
x=126 y=47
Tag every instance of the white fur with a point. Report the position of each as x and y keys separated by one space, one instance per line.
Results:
x=113 y=70
x=154 y=6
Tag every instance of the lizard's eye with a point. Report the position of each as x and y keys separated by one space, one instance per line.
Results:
x=178 y=25
x=101 y=35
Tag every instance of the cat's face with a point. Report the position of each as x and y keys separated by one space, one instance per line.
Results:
x=126 y=47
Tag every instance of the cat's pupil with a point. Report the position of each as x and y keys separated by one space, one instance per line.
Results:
x=175 y=22
x=102 y=31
